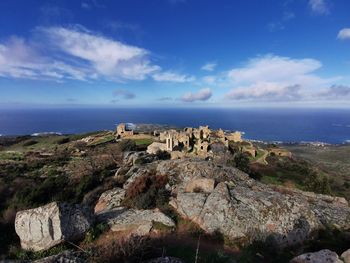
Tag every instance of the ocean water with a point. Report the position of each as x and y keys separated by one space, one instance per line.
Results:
x=286 y=125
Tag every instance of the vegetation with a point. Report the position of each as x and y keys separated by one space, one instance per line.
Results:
x=38 y=170
x=147 y=191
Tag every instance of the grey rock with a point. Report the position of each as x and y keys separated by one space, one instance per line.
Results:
x=138 y=222
x=322 y=256
x=345 y=256
x=110 y=200
x=244 y=209
x=46 y=226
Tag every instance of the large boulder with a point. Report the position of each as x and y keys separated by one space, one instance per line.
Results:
x=110 y=200
x=46 y=226
x=322 y=256
x=246 y=210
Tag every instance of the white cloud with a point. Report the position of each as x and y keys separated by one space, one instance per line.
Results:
x=18 y=59
x=76 y=53
x=201 y=95
x=168 y=76
x=108 y=58
x=209 y=66
x=276 y=78
x=273 y=68
x=265 y=91
x=344 y=33
x=319 y=7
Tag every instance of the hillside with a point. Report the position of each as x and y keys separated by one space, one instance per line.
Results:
x=113 y=201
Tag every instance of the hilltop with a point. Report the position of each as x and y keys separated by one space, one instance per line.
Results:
x=137 y=194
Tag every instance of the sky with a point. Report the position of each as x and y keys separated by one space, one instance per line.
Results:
x=175 y=53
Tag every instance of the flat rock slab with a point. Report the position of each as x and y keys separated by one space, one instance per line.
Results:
x=139 y=222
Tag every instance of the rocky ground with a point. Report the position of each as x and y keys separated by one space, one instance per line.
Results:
x=91 y=199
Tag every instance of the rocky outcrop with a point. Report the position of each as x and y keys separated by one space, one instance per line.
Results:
x=110 y=200
x=244 y=209
x=46 y=226
x=138 y=222
x=322 y=256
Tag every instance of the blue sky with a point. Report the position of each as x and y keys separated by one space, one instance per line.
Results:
x=175 y=53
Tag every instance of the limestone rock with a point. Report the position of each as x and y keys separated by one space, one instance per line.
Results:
x=139 y=222
x=46 y=226
x=200 y=185
x=322 y=256
x=244 y=209
x=64 y=257
x=109 y=200
x=346 y=256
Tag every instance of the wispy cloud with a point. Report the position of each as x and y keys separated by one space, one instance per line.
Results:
x=105 y=57
x=209 y=66
x=85 y=5
x=125 y=94
x=201 y=95
x=276 y=78
x=266 y=91
x=319 y=7
x=344 y=34
x=169 y=76
x=79 y=54
x=275 y=26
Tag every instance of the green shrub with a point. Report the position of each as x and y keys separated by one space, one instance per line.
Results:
x=147 y=191
x=95 y=232
x=127 y=145
x=63 y=140
x=30 y=143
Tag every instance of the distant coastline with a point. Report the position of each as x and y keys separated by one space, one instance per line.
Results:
x=267 y=125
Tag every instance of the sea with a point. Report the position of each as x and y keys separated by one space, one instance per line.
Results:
x=271 y=125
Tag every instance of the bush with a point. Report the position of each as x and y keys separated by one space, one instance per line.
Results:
x=127 y=145
x=163 y=155
x=63 y=140
x=30 y=143
x=147 y=191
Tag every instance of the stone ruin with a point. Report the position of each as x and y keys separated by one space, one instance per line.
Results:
x=123 y=131
x=197 y=141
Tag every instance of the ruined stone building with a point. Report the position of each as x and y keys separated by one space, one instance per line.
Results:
x=192 y=141
x=123 y=131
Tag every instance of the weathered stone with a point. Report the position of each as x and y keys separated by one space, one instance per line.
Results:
x=46 y=226
x=139 y=222
x=109 y=200
x=189 y=205
x=322 y=256
x=244 y=209
x=200 y=185
x=64 y=257
x=345 y=256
